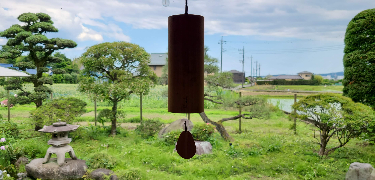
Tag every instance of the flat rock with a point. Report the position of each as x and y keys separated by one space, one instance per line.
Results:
x=202 y=147
x=99 y=173
x=176 y=125
x=21 y=160
x=70 y=170
x=360 y=171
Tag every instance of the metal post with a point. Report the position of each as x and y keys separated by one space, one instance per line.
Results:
x=8 y=104
x=295 y=123
x=141 y=108
x=243 y=65
x=51 y=96
x=240 y=114
x=95 y=109
x=221 y=57
x=252 y=77
x=189 y=116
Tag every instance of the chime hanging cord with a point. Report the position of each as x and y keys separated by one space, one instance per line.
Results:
x=186 y=7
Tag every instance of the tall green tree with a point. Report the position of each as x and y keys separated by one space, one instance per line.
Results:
x=31 y=38
x=319 y=78
x=210 y=65
x=359 y=58
x=121 y=67
x=10 y=54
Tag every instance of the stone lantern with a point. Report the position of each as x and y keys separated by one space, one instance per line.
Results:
x=59 y=141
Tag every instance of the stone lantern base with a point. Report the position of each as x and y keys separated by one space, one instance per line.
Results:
x=71 y=169
x=60 y=153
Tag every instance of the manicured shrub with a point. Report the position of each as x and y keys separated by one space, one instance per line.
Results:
x=62 y=108
x=149 y=128
x=172 y=137
x=201 y=132
x=101 y=160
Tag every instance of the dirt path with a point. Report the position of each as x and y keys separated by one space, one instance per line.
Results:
x=130 y=126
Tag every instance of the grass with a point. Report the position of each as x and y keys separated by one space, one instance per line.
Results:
x=296 y=88
x=266 y=148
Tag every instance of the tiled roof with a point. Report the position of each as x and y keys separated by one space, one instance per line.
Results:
x=305 y=72
x=158 y=58
x=286 y=77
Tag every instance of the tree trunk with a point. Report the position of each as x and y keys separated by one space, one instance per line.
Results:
x=38 y=103
x=219 y=127
x=323 y=143
x=114 y=113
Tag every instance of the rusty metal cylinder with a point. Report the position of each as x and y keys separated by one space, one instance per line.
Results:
x=186 y=63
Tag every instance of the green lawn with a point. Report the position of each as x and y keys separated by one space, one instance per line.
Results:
x=266 y=149
x=296 y=87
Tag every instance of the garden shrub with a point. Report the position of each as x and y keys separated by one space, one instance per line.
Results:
x=9 y=129
x=101 y=160
x=105 y=115
x=66 y=109
x=172 y=137
x=149 y=128
x=129 y=174
x=201 y=132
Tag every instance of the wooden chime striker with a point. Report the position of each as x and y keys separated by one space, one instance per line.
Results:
x=185 y=63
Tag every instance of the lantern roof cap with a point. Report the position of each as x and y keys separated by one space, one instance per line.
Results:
x=59 y=127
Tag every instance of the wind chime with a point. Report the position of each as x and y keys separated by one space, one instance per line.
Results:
x=185 y=71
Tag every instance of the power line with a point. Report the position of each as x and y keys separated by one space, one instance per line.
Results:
x=286 y=52
x=309 y=48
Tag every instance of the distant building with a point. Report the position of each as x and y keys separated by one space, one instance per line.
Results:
x=238 y=76
x=339 y=77
x=302 y=75
x=158 y=61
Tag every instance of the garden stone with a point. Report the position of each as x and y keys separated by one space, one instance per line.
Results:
x=176 y=125
x=98 y=174
x=202 y=147
x=360 y=171
x=1 y=175
x=21 y=160
x=70 y=169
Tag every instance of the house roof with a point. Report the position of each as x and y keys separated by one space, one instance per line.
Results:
x=158 y=59
x=286 y=77
x=305 y=72
x=5 y=72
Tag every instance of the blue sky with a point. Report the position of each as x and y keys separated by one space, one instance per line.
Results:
x=284 y=36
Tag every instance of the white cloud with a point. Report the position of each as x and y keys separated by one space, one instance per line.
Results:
x=317 y=20
x=89 y=34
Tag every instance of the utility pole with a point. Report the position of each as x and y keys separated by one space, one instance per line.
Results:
x=221 y=43
x=243 y=64
x=259 y=70
x=252 y=69
x=256 y=69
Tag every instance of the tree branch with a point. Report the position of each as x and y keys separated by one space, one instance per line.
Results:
x=236 y=117
x=213 y=101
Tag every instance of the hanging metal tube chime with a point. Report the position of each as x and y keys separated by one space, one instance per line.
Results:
x=186 y=63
